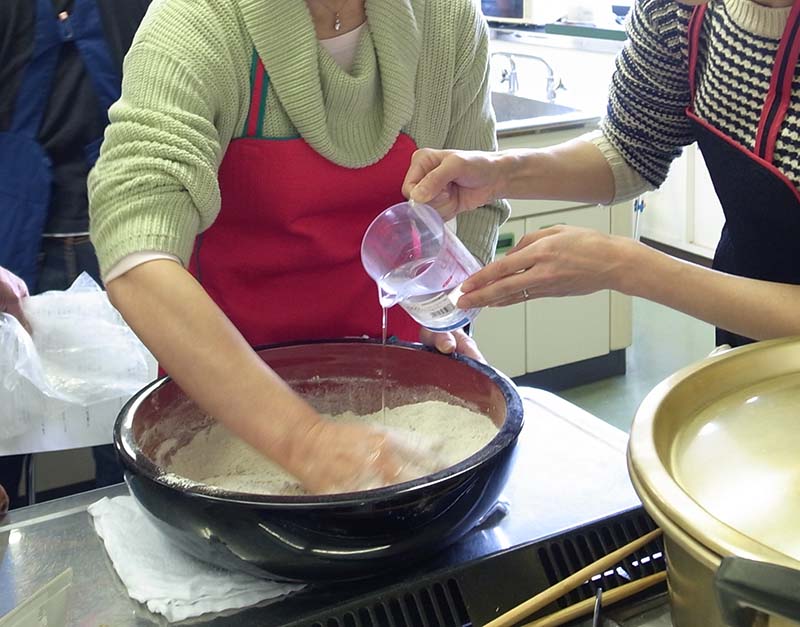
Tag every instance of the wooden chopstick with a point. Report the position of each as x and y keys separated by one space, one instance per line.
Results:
x=544 y=598
x=609 y=597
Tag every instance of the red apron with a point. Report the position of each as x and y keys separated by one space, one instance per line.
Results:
x=283 y=258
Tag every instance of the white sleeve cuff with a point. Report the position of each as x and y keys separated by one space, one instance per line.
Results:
x=129 y=262
x=628 y=183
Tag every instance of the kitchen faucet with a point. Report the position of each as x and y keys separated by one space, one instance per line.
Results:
x=509 y=74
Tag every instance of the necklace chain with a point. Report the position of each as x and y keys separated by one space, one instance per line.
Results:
x=337 y=20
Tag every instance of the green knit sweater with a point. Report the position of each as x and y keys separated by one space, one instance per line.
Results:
x=420 y=68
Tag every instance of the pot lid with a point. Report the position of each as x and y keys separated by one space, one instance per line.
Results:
x=716 y=449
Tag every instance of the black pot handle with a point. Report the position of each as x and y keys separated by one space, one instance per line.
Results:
x=745 y=587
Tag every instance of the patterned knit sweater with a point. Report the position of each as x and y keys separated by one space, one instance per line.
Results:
x=420 y=68
x=645 y=126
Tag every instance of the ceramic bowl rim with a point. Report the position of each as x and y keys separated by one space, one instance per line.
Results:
x=506 y=436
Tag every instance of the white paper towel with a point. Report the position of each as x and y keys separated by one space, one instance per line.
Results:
x=167 y=580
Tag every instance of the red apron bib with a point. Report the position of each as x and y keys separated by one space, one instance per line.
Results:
x=283 y=258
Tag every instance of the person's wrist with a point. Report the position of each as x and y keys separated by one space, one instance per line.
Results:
x=628 y=259
x=292 y=435
x=518 y=172
x=306 y=456
x=507 y=166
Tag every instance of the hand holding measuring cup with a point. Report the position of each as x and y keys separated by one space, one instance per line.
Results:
x=419 y=263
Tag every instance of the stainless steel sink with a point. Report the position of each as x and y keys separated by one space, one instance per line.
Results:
x=517 y=114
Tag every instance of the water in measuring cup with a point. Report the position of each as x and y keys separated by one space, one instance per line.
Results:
x=398 y=284
x=428 y=305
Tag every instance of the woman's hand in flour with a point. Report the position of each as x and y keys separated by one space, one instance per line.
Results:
x=335 y=457
x=452 y=342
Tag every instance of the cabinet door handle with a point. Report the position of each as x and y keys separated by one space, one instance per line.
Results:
x=547 y=226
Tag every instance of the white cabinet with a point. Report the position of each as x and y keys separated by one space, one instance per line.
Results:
x=549 y=332
x=684 y=212
x=501 y=331
x=565 y=330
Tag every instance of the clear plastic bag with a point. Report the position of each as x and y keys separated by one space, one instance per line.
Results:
x=82 y=355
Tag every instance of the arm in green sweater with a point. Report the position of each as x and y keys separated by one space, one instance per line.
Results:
x=210 y=360
x=155 y=184
x=154 y=188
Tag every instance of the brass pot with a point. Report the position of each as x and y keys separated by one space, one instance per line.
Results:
x=714 y=455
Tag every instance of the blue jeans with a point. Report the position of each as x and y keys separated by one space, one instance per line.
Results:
x=61 y=261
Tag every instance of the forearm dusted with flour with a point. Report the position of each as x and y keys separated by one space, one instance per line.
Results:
x=211 y=361
x=208 y=357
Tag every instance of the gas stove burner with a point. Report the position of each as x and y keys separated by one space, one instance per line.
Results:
x=455 y=593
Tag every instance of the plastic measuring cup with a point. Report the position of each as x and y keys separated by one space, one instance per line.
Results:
x=419 y=263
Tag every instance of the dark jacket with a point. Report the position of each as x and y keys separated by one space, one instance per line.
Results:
x=73 y=117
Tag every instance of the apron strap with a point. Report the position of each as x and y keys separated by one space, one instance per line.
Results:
x=780 y=87
x=34 y=91
x=85 y=27
x=259 y=86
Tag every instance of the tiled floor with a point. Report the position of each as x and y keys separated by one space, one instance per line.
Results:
x=664 y=341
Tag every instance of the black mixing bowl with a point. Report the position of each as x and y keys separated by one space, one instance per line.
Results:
x=335 y=537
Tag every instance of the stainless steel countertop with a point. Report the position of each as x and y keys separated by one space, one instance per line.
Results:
x=578 y=120
x=570 y=470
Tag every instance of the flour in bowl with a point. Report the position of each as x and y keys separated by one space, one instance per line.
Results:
x=216 y=457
